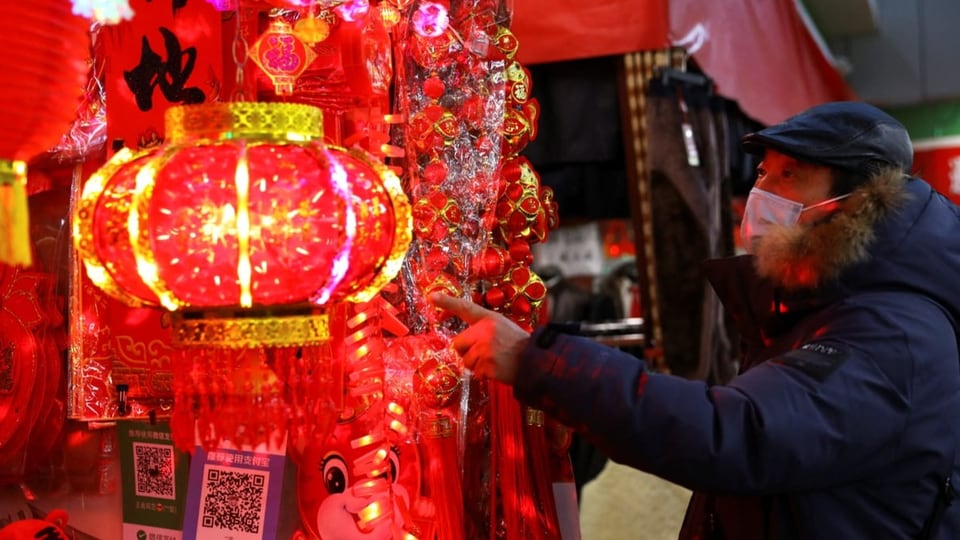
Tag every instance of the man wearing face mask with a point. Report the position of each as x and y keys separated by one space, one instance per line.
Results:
x=844 y=422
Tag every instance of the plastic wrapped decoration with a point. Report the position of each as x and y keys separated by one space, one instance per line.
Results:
x=36 y=78
x=453 y=100
x=454 y=86
x=88 y=134
x=452 y=97
x=245 y=253
x=113 y=346
x=530 y=449
x=461 y=68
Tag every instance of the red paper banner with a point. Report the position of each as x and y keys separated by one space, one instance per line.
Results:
x=164 y=56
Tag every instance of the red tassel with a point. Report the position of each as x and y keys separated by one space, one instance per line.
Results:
x=541 y=461
x=518 y=506
x=443 y=479
x=496 y=450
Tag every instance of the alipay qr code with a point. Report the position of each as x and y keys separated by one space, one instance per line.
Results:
x=153 y=466
x=234 y=500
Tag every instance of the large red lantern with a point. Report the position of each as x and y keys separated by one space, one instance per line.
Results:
x=245 y=225
x=44 y=64
x=244 y=207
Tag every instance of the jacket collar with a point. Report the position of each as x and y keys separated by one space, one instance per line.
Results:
x=810 y=255
x=795 y=269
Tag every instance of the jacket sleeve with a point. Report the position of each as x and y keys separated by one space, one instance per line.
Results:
x=797 y=421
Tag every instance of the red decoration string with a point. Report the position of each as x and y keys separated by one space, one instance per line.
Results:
x=540 y=459
x=443 y=483
x=519 y=494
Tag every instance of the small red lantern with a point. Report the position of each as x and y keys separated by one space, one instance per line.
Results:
x=281 y=55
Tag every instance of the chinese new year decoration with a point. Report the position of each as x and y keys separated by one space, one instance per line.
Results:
x=323 y=167
x=244 y=223
x=243 y=206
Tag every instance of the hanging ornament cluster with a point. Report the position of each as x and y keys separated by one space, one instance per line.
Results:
x=449 y=92
x=525 y=212
x=469 y=114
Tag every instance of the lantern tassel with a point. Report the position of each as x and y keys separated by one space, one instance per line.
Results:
x=14 y=216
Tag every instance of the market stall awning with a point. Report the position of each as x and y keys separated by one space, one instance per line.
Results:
x=555 y=30
x=761 y=54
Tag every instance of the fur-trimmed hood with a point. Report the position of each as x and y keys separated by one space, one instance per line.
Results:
x=807 y=256
x=894 y=233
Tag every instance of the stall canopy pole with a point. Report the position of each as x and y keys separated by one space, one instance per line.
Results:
x=633 y=75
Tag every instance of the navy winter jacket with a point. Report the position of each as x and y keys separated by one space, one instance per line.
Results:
x=844 y=422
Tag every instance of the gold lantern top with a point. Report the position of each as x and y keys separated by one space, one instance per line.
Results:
x=244 y=120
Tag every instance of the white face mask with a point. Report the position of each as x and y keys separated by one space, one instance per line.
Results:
x=764 y=209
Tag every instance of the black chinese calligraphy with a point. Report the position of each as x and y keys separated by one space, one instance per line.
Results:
x=171 y=75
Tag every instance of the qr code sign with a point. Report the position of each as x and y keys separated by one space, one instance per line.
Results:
x=234 y=500
x=153 y=467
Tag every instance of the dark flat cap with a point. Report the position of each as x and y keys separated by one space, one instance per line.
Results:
x=847 y=134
